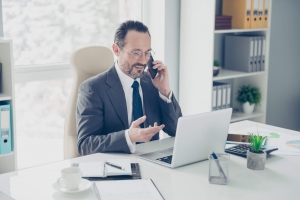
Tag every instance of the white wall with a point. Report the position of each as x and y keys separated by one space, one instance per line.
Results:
x=163 y=21
x=196 y=55
x=172 y=36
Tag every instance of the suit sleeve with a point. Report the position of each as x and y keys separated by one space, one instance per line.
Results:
x=90 y=122
x=170 y=114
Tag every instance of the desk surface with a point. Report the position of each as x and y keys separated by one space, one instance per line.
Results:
x=279 y=180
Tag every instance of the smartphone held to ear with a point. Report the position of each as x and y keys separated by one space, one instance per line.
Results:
x=153 y=72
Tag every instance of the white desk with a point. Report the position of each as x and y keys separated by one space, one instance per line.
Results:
x=279 y=180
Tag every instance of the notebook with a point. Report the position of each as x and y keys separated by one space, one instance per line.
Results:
x=127 y=190
x=100 y=169
x=136 y=174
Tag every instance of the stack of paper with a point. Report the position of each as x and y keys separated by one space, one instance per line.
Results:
x=222 y=22
x=128 y=190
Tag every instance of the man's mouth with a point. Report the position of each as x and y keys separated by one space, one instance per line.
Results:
x=139 y=66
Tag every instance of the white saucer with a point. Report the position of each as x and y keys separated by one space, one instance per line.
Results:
x=84 y=185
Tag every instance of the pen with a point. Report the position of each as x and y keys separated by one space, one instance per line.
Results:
x=114 y=165
x=96 y=191
x=222 y=174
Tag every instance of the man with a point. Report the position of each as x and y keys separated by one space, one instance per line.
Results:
x=123 y=105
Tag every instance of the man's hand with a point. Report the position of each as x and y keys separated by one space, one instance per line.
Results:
x=161 y=81
x=138 y=134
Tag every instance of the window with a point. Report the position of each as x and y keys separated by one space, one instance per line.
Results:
x=46 y=32
x=40 y=116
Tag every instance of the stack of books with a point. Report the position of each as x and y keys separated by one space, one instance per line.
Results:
x=222 y=22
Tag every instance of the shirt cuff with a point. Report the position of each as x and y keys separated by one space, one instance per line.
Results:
x=168 y=100
x=131 y=145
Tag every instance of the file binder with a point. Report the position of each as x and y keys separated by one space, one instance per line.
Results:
x=219 y=97
x=214 y=98
x=5 y=124
x=263 y=53
x=259 y=48
x=254 y=14
x=239 y=53
x=240 y=10
x=224 y=92
x=266 y=13
x=260 y=14
x=219 y=88
x=228 y=95
x=254 y=67
x=0 y=77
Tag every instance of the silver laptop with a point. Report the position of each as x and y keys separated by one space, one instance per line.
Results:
x=196 y=136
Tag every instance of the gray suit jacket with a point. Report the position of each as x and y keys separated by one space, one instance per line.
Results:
x=102 y=113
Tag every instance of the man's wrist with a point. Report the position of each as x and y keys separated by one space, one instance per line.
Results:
x=131 y=137
x=130 y=144
x=166 y=93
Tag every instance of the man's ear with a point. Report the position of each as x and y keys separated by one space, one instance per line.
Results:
x=116 y=49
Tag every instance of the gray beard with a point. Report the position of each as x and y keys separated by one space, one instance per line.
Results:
x=134 y=75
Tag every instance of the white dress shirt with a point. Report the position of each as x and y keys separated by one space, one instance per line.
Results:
x=127 y=82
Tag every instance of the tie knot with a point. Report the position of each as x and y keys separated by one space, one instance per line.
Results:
x=135 y=85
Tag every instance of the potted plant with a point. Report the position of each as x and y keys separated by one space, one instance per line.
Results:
x=256 y=158
x=216 y=68
x=248 y=96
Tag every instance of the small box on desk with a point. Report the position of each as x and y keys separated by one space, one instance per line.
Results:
x=238 y=138
x=223 y=22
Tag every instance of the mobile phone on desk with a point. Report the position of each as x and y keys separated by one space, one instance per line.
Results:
x=150 y=64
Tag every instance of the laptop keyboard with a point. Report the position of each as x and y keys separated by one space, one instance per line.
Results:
x=166 y=159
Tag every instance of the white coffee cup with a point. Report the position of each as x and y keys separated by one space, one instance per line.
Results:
x=70 y=178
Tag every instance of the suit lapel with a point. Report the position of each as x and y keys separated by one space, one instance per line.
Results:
x=116 y=95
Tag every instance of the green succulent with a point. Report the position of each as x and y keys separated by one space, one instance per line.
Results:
x=256 y=141
x=250 y=94
x=216 y=63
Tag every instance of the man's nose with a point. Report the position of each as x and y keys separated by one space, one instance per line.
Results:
x=143 y=60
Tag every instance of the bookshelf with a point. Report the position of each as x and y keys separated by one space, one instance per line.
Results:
x=241 y=30
x=8 y=161
x=199 y=36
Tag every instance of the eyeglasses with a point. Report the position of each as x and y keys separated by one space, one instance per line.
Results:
x=138 y=53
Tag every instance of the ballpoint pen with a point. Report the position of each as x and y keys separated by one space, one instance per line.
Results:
x=222 y=174
x=114 y=165
x=96 y=191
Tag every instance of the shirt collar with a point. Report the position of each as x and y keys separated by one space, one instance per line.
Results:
x=126 y=81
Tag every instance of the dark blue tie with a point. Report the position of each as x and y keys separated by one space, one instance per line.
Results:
x=137 y=108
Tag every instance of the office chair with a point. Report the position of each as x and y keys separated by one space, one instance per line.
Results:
x=85 y=63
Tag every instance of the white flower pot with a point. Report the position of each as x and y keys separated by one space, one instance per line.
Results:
x=256 y=161
x=247 y=108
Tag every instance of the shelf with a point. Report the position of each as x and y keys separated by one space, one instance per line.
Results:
x=4 y=40
x=8 y=154
x=238 y=116
x=241 y=30
x=4 y=97
x=228 y=74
